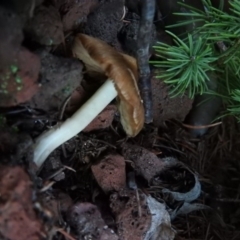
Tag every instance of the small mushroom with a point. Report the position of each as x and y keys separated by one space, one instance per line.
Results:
x=122 y=70
x=121 y=73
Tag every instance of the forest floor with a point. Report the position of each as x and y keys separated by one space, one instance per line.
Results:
x=100 y=184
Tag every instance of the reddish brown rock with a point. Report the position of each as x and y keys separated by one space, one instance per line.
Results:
x=74 y=12
x=78 y=97
x=164 y=106
x=146 y=163
x=140 y=217
x=132 y=215
x=59 y=77
x=19 y=81
x=110 y=173
x=54 y=206
x=17 y=217
x=103 y=120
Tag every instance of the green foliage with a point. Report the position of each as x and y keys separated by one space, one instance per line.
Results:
x=186 y=65
x=213 y=46
x=234 y=107
x=217 y=24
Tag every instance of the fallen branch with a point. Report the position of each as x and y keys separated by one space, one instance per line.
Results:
x=144 y=37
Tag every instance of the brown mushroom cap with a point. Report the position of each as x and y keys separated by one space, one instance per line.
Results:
x=122 y=70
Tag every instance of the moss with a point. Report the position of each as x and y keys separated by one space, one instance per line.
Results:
x=6 y=76
x=14 y=69
x=12 y=72
x=18 y=79
x=4 y=85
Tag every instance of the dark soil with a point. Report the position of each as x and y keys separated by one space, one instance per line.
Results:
x=100 y=184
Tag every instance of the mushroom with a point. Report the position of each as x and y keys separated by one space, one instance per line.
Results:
x=121 y=73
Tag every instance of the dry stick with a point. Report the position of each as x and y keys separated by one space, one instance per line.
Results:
x=203 y=126
x=63 y=108
x=124 y=14
x=144 y=36
x=45 y=188
x=133 y=185
x=65 y=234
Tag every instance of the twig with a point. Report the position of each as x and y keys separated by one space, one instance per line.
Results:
x=63 y=107
x=201 y=127
x=138 y=202
x=207 y=233
x=45 y=188
x=124 y=14
x=60 y=171
x=65 y=234
x=144 y=36
x=104 y=142
x=56 y=173
x=133 y=185
x=171 y=148
x=32 y=7
x=226 y=200
x=69 y=168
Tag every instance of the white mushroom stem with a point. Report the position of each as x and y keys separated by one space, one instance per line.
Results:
x=53 y=138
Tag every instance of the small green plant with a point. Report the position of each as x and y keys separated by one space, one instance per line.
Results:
x=213 y=45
